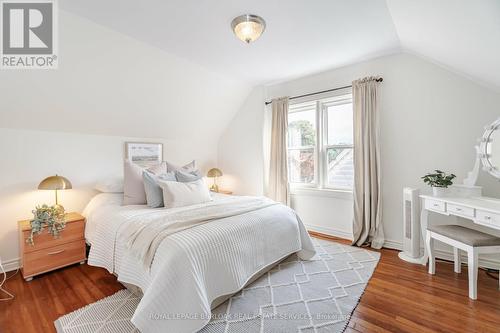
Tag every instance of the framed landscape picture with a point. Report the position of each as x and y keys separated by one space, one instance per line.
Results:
x=144 y=153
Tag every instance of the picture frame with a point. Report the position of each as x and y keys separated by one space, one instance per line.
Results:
x=144 y=153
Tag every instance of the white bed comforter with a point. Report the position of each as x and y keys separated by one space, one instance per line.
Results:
x=192 y=267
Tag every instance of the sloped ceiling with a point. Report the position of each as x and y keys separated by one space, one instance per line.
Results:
x=111 y=84
x=304 y=36
x=463 y=35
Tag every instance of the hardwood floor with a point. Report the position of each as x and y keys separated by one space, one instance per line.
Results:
x=400 y=297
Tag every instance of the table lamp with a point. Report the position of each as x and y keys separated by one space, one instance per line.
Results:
x=55 y=183
x=214 y=173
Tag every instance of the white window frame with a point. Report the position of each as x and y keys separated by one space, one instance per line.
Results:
x=299 y=107
x=320 y=149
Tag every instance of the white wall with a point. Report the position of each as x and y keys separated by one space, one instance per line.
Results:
x=109 y=88
x=240 y=147
x=430 y=118
x=328 y=212
x=30 y=156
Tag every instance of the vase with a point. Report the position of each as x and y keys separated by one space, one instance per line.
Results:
x=439 y=191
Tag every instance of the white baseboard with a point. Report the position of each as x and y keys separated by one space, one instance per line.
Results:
x=396 y=245
x=446 y=255
x=329 y=231
x=12 y=264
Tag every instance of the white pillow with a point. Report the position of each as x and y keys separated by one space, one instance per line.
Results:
x=176 y=194
x=110 y=185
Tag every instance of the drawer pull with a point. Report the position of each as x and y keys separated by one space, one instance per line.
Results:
x=486 y=217
x=436 y=205
x=55 y=252
x=458 y=209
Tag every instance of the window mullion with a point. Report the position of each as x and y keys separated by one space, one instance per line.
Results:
x=301 y=147
x=338 y=146
x=324 y=109
x=320 y=154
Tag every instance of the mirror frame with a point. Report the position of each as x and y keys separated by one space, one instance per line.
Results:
x=485 y=145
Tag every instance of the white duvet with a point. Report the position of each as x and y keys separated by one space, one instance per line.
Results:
x=194 y=266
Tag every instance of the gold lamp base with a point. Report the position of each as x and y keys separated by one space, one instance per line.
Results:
x=214 y=173
x=214 y=188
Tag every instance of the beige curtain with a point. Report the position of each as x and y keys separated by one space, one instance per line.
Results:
x=277 y=184
x=367 y=226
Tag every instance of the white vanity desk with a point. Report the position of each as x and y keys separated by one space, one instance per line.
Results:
x=481 y=210
x=465 y=200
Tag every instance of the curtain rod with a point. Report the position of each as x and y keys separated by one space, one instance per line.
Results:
x=324 y=91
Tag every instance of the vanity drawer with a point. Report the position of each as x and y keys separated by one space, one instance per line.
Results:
x=460 y=210
x=486 y=217
x=435 y=205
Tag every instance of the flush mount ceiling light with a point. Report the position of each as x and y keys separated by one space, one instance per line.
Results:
x=248 y=27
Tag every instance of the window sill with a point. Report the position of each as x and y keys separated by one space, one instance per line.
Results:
x=321 y=192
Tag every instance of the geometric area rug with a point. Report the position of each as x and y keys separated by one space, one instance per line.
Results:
x=314 y=296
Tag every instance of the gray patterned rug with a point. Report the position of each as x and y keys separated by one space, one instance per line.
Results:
x=296 y=296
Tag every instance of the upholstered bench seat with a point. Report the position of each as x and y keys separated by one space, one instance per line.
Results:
x=465 y=235
x=461 y=238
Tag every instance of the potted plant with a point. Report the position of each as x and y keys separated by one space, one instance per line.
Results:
x=51 y=217
x=439 y=181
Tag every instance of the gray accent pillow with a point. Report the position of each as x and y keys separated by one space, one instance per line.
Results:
x=188 y=167
x=186 y=177
x=154 y=193
x=133 y=182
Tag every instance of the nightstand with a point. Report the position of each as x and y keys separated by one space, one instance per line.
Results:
x=224 y=192
x=49 y=253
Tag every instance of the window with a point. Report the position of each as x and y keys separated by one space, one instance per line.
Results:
x=302 y=144
x=320 y=143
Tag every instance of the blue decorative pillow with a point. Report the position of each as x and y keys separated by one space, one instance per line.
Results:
x=154 y=193
x=187 y=177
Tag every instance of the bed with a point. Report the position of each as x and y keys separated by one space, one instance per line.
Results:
x=193 y=269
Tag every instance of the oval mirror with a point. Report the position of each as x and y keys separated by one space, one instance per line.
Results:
x=490 y=149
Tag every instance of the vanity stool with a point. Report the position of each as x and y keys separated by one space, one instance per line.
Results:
x=461 y=238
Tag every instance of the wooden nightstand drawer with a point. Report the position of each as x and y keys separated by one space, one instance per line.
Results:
x=73 y=231
x=48 y=259
x=49 y=253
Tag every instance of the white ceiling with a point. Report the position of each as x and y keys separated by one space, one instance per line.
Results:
x=304 y=36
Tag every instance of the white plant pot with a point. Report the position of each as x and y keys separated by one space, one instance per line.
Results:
x=439 y=191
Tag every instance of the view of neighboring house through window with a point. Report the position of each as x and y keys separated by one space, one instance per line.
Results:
x=302 y=143
x=320 y=143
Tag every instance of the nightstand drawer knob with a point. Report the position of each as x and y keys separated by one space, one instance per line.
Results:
x=55 y=252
